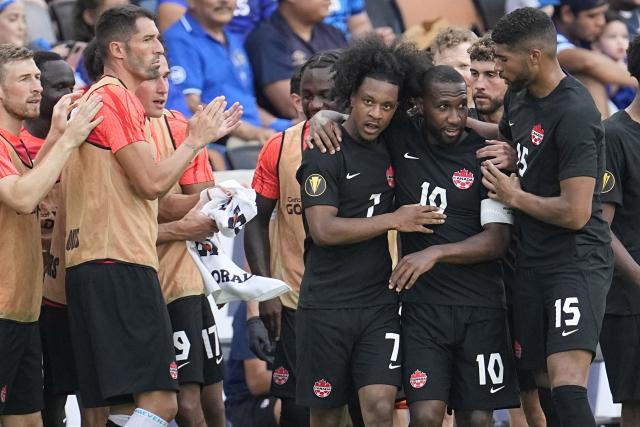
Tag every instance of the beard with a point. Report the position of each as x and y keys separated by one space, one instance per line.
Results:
x=22 y=111
x=494 y=105
x=137 y=65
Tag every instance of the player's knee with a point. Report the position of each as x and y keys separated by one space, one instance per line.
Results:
x=380 y=409
x=426 y=416
x=474 y=418
x=164 y=403
x=188 y=406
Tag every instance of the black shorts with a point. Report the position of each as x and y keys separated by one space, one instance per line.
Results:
x=120 y=331
x=459 y=355
x=283 y=378
x=57 y=355
x=195 y=338
x=341 y=350
x=252 y=412
x=526 y=379
x=561 y=308
x=21 y=373
x=620 y=344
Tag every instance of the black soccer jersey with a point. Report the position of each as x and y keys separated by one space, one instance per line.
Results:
x=621 y=186
x=449 y=178
x=556 y=138
x=358 y=180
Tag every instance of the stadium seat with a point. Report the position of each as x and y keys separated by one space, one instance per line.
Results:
x=62 y=13
x=245 y=157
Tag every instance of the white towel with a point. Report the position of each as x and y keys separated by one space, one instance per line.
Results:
x=230 y=205
x=227 y=282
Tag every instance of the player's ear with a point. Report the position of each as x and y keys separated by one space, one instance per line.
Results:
x=534 y=56
x=116 y=49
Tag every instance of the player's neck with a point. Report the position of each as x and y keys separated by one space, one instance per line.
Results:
x=38 y=127
x=302 y=29
x=118 y=71
x=9 y=122
x=633 y=110
x=547 y=80
x=495 y=116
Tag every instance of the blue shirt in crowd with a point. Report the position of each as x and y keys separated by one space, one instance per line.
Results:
x=235 y=385
x=275 y=51
x=202 y=65
x=341 y=10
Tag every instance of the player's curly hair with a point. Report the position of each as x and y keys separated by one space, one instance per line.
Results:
x=451 y=37
x=12 y=53
x=526 y=28
x=483 y=49
x=397 y=63
x=633 y=58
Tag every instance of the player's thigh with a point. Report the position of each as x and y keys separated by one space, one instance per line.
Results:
x=21 y=381
x=283 y=380
x=377 y=353
x=427 y=333
x=484 y=374
x=186 y=323
x=621 y=353
x=324 y=344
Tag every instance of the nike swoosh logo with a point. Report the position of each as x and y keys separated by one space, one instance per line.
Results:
x=511 y=123
x=218 y=360
x=409 y=156
x=349 y=176
x=392 y=366
x=495 y=390
x=184 y=364
x=566 y=334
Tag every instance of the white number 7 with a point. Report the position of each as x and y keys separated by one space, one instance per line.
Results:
x=396 y=344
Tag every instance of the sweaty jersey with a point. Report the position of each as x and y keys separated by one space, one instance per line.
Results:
x=178 y=275
x=21 y=278
x=357 y=180
x=106 y=219
x=447 y=177
x=621 y=187
x=556 y=138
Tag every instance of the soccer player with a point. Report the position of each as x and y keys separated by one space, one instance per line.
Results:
x=22 y=186
x=621 y=204
x=347 y=323
x=194 y=331
x=564 y=262
x=488 y=94
x=280 y=254
x=120 y=327
x=455 y=340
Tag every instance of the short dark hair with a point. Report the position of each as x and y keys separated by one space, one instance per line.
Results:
x=11 y=53
x=483 y=49
x=440 y=74
x=42 y=57
x=397 y=63
x=82 y=31
x=324 y=59
x=93 y=64
x=526 y=28
x=117 y=24
x=295 y=81
x=633 y=58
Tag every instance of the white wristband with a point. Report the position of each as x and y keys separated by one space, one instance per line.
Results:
x=492 y=211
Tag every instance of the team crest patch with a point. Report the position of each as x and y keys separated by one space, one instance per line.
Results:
x=322 y=388
x=418 y=379
x=3 y=394
x=280 y=376
x=463 y=179
x=315 y=185
x=517 y=350
x=177 y=75
x=537 y=134
x=391 y=179
x=608 y=181
x=173 y=370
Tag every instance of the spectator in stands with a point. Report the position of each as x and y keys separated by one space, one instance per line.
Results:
x=246 y=16
x=86 y=14
x=579 y=23
x=284 y=41
x=207 y=61
x=13 y=27
x=450 y=47
x=613 y=42
x=247 y=380
x=350 y=16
